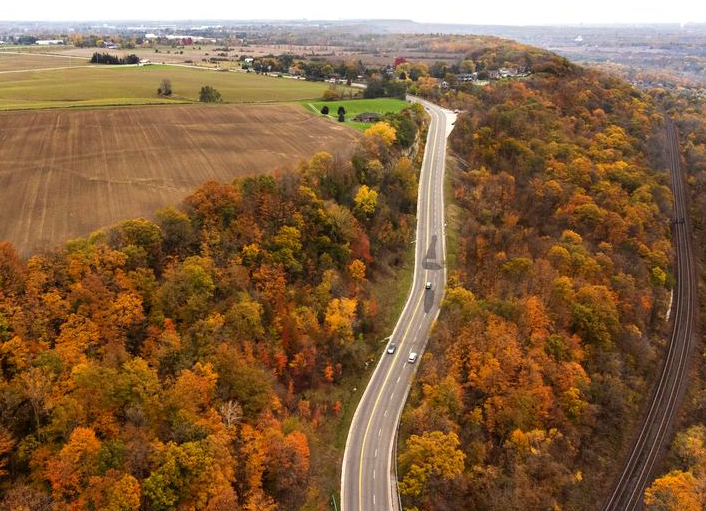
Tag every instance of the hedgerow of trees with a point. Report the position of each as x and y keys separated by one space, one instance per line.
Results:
x=107 y=58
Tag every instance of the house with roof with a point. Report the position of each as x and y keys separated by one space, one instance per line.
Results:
x=367 y=117
x=466 y=77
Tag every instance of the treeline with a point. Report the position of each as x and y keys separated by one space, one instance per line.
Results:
x=385 y=87
x=196 y=362
x=554 y=320
x=107 y=58
x=682 y=485
x=315 y=68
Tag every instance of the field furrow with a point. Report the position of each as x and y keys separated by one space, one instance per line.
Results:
x=65 y=173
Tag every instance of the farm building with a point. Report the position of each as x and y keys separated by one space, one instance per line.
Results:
x=367 y=117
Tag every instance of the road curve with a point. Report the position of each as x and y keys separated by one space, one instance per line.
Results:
x=368 y=480
x=664 y=402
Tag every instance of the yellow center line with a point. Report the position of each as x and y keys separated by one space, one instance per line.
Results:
x=404 y=336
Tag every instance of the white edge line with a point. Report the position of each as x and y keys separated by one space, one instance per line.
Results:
x=393 y=440
x=394 y=331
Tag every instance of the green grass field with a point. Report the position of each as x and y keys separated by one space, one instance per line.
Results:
x=122 y=85
x=357 y=106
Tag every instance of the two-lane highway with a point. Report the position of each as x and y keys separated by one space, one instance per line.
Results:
x=664 y=403
x=368 y=481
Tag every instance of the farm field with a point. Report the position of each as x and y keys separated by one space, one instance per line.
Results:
x=13 y=62
x=199 y=53
x=166 y=54
x=133 y=85
x=357 y=106
x=65 y=173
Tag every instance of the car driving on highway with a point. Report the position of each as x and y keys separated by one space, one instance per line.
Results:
x=412 y=358
x=391 y=348
x=428 y=285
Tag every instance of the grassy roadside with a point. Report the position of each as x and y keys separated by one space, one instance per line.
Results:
x=452 y=216
x=394 y=289
x=390 y=289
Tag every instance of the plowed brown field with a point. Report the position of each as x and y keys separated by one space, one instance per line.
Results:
x=65 y=173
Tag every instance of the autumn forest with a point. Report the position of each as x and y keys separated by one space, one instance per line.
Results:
x=186 y=363
x=554 y=319
x=204 y=359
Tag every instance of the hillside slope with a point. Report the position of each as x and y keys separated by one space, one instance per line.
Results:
x=682 y=480
x=554 y=320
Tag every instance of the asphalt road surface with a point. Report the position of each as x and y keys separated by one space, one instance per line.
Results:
x=664 y=403
x=368 y=480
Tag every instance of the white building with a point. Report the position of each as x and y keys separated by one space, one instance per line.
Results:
x=466 y=77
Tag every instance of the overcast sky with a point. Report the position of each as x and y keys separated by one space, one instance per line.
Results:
x=496 y=12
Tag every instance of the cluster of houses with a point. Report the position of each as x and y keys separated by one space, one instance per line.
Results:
x=492 y=74
x=185 y=40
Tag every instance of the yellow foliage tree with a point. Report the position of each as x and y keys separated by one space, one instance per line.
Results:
x=340 y=316
x=70 y=470
x=676 y=491
x=357 y=270
x=366 y=200
x=382 y=131
x=432 y=454
x=115 y=492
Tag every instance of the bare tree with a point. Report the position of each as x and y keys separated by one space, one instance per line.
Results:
x=232 y=412
x=36 y=386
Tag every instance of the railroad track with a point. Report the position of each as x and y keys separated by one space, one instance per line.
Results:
x=664 y=402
